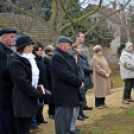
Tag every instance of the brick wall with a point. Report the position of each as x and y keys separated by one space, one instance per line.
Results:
x=26 y=25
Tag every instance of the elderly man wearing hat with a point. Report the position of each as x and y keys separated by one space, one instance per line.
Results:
x=127 y=71
x=24 y=73
x=101 y=77
x=7 y=121
x=66 y=84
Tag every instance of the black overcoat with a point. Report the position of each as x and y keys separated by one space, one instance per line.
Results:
x=42 y=68
x=24 y=94
x=49 y=78
x=42 y=76
x=6 y=84
x=65 y=82
x=87 y=69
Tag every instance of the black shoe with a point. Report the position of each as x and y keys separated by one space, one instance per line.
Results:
x=77 y=129
x=51 y=117
x=87 y=108
x=35 y=129
x=80 y=118
x=74 y=132
x=43 y=121
x=84 y=116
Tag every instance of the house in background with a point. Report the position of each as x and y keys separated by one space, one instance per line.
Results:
x=116 y=24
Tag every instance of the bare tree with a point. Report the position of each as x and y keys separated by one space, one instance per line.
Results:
x=62 y=19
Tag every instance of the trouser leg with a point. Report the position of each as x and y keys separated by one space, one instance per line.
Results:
x=8 y=124
x=102 y=101
x=98 y=102
x=127 y=89
x=63 y=117
x=74 y=118
x=23 y=125
x=51 y=110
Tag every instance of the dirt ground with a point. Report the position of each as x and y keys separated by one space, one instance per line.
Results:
x=113 y=101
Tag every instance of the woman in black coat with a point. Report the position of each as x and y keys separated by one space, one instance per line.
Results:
x=38 y=52
x=77 y=48
x=24 y=74
x=49 y=50
x=87 y=69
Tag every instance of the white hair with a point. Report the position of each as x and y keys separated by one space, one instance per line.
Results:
x=1 y=37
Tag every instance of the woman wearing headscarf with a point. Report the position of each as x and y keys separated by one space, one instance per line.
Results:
x=25 y=74
x=101 y=77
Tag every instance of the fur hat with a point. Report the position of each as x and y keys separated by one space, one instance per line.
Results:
x=7 y=30
x=97 y=48
x=23 y=41
x=128 y=44
x=64 y=39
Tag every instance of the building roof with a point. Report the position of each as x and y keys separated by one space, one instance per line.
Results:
x=117 y=17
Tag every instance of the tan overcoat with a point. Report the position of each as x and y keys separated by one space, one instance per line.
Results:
x=101 y=82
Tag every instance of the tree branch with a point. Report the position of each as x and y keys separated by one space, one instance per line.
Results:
x=107 y=17
x=54 y=11
x=81 y=18
x=101 y=36
x=66 y=12
x=98 y=34
x=90 y=13
x=35 y=16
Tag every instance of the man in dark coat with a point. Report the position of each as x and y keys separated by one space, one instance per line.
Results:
x=83 y=61
x=65 y=85
x=7 y=121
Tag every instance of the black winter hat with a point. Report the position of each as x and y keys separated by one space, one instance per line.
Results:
x=64 y=39
x=23 y=41
x=7 y=30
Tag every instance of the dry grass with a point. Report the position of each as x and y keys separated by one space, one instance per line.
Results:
x=116 y=119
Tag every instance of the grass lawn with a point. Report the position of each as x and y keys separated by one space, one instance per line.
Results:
x=122 y=123
x=117 y=82
x=118 y=118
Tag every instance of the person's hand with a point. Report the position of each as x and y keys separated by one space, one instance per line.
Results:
x=82 y=85
x=107 y=75
x=47 y=92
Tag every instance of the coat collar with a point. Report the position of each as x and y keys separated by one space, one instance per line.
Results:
x=38 y=57
x=82 y=56
x=17 y=56
x=4 y=46
x=62 y=52
x=97 y=55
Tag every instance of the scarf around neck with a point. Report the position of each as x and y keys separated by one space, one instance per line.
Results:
x=35 y=71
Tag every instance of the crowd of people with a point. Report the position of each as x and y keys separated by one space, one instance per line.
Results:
x=65 y=75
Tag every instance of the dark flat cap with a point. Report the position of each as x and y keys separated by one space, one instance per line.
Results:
x=64 y=39
x=23 y=41
x=7 y=30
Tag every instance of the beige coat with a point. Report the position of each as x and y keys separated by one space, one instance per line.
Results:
x=101 y=82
